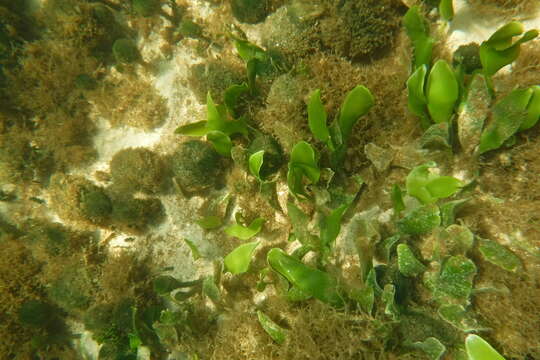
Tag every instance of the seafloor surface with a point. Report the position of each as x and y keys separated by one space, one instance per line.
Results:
x=173 y=186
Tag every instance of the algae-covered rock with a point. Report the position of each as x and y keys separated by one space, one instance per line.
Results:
x=94 y=203
x=125 y=51
x=362 y=30
x=146 y=7
x=250 y=11
x=138 y=169
x=72 y=289
x=468 y=56
x=135 y=215
x=196 y=166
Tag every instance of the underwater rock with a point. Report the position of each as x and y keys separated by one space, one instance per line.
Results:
x=138 y=169
x=196 y=166
x=250 y=11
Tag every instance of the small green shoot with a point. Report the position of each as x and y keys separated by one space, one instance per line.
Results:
x=428 y=187
x=314 y=282
x=243 y=232
x=302 y=163
x=218 y=128
x=194 y=250
x=418 y=31
x=479 y=349
x=501 y=49
x=276 y=332
x=408 y=264
x=238 y=260
x=255 y=163
x=499 y=255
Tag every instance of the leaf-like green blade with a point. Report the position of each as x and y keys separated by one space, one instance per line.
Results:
x=317 y=283
x=420 y=221
x=388 y=297
x=442 y=92
x=446 y=9
x=397 y=199
x=500 y=50
x=210 y=289
x=456 y=278
x=458 y=317
x=199 y=128
x=194 y=250
x=300 y=222
x=255 y=163
x=443 y=186
x=408 y=264
x=331 y=225
x=499 y=255
x=303 y=156
x=245 y=233
x=423 y=50
x=508 y=115
x=221 y=142
x=415 y=24
x=213 y=115
x=479 y=349
x=302 y=163
x=502 y=38
x=433 y=348
x=417 y=180
x=317 y=117
x=249 y=51
x=493 y=60
x=416 y=98
x=357 y=103
x=210 y=222
x=276 y=332
x=533 y=110
x=238 y=260
x=418 y=31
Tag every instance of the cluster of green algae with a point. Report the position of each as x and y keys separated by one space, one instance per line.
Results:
x=94 y=205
